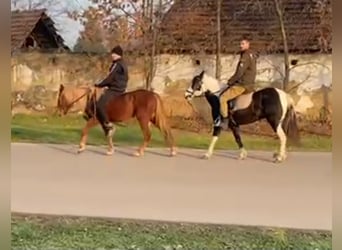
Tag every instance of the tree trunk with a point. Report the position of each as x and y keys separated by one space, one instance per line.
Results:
x=143 y=8
x=286 y=49
x=152 y=51
x=218 y=40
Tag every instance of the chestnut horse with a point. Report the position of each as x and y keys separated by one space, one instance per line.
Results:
x=71 y=97
x=146 y=106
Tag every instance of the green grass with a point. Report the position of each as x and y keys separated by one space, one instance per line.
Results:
x=49 y=129
x=33 y=232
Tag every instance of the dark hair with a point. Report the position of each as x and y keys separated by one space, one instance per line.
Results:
x=245 y=38
x=117 y=50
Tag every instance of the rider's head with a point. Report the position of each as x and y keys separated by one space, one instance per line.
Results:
x=244 y=43
x=116 y=52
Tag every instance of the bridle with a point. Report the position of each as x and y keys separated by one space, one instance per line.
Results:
x=191 y=92
x=65 y=109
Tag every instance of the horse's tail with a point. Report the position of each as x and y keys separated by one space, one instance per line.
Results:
x=162 y=122
x=290 y=124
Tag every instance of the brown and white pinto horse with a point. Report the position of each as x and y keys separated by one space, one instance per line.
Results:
x=272 y=104
x=146 y=106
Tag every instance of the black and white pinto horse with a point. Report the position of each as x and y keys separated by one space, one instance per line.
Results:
x=269 y=103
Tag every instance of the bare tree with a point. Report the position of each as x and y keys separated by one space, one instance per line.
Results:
x=92 y=38
x=57 y=8
x=218 y=39
x=279 y=11
x=151 y=30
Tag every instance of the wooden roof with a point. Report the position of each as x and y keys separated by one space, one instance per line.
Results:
x=38 y=24
x=190 y=26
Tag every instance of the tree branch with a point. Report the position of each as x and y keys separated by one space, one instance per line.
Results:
x=286 y=49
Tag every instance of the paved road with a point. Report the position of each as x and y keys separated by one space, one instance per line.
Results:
x=52 y=179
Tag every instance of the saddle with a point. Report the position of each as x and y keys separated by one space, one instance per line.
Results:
x=229 y=94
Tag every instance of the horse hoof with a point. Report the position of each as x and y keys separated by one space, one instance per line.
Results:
x=279 y=159
x=80 y=150
x=242 y=157
x=243 y=154
x=137 y=154
x=206 y=157
x=110 y=152
x=173 y=153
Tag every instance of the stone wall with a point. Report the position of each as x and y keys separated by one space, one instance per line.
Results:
x=311 y=70
x=50 y=70
x=37 y=76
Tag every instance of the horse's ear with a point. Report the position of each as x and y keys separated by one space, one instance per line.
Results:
x=201 y=74
x=61 y=87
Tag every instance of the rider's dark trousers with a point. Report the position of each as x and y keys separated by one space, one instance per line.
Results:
x=101 y=105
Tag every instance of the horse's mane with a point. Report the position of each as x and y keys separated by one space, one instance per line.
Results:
x=212 y=81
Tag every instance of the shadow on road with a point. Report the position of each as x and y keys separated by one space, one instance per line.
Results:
x=235 y=155
x=64 y=150
x=130 y=151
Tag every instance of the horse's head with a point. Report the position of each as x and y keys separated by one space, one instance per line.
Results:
x=196 y=88
x=201 y=84
x=69 y=96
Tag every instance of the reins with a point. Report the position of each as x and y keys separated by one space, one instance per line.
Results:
x=77 y=99
x=94 y=102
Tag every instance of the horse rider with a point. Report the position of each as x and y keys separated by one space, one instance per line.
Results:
x=241 y=82
x=116 y=83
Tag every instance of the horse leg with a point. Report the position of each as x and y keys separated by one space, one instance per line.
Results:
x=90 y=124
x=236 y=132
x=281 y=156
x=145 y=126
x=216 y=133
x=216 y=115
x=110 y=135
x=276 y=125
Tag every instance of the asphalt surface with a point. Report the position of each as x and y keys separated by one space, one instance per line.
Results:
x=53 y=179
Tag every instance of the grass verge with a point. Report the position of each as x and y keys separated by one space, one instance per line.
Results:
x=66 y=130
x=47 y=232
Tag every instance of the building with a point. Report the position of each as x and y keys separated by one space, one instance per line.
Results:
x=190 y=26
x=34 y=29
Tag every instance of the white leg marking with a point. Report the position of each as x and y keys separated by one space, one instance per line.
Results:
x=282 y=152
x=110 y=150
x=211 y=147
x=279 y=157
x=81 y=148
x=243 y=154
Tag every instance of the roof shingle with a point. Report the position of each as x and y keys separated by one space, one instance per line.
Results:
x=23 y=23
x=190 y=24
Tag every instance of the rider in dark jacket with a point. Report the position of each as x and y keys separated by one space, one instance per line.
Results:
x=116 y=83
